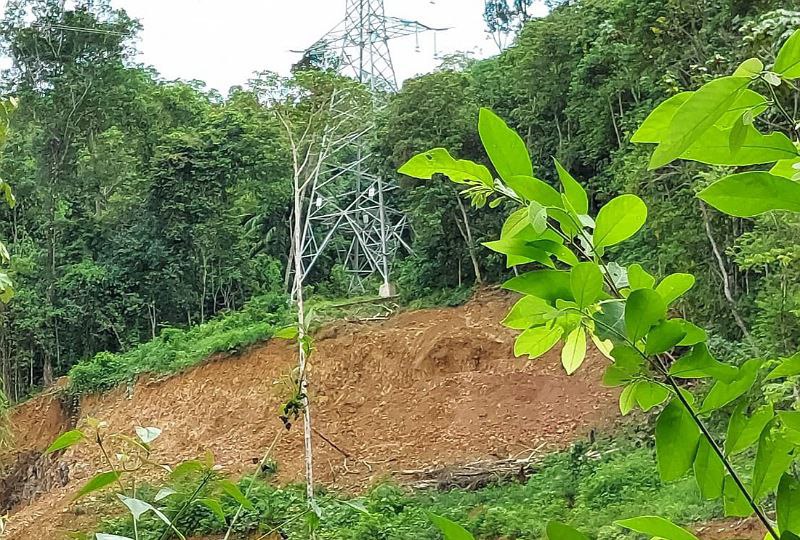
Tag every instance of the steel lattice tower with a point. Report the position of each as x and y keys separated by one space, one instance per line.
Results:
x=349 y=203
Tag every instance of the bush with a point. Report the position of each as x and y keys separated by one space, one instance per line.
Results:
x=176 y=349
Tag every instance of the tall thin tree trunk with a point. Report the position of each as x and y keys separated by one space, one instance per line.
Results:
x=466 y=233
x=302 y=382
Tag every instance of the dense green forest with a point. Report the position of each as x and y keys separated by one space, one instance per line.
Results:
x=145 y=204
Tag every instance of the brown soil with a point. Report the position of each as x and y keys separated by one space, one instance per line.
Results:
x=437 y=386
x=730 y=529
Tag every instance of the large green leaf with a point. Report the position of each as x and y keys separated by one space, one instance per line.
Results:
x=649 y=394
x=639 y=278
x=723 y=393
x=439 y=161
x=232 y=490
x=787 y=64
x=586 y=283
x=529 y=311
x=559 y=531
x=65 y=440
x=535 y=342
x=505 y=147
x=657 y=527
x=734 y=501
x=610 y=320
x=97 y=482
x=618 y=220
x=643 y=309
x=674 y=286
x=677 y=438
x=522 y=251
x=532 y=189
x=748 y=100
x=753 y=147
x=709 y=471
x=789 y=367
x=655 y=126
x=752 y=193
x=788 y=505
x=774 y=457
x=450 y=529
x=787 y=168
x=743 y=432
x=549 y=285
x=663 y=337
x=574 y=192
x=699 y=363
x=701 y=111
x=574 y=351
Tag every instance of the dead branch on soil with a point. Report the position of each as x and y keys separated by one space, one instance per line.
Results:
x=474 y=475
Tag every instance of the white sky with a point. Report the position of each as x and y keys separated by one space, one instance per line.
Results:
x=222 y=42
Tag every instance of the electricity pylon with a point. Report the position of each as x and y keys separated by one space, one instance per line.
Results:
x=348 y=204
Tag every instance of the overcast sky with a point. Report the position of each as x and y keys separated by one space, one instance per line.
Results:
x=222 y=42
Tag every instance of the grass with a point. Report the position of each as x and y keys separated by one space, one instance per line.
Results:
x=176 y=349
x=587 y=493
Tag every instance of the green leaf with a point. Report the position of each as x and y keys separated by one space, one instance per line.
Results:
x=650 y=394
x=522 y=250
x=723 y=393
x=627 y=399
x=789 y=367
x=638 y=278
x=774 y=457
x=439 y=161
x=450 y=529
x=537 y=215
x=715 y=147
x=657 y=527
x=643 y=309
x=535 y=342
x=550 y=285
x=529 y=311
x=627 y=364
x=663 y=337
x=709 y=471
x=505 y=148
x=98 y=482
x=574 y=351
x=147 y=434
x=215 y=506
x=788 y=505
x=734 y=501
x=752 y=193
x=65 y=440
x=103 y=536
x=787 y=168
x=694 y=334
x=656 y=124
x=186 y=468
x=618 y=220
x=787 y=64
x=532 y=189
x=233 y=491
x=559 y=531
x=573 y=191
x=586 y=283
x=163 y=493
x=749 y=68
x=737 y=135
x=674 y=286
x=696 y=116
x=743 y=432
x=699 y=363
x=610 y=320
x=136 y=507
x=677 y=438
x=749 y=103
x=287 y=332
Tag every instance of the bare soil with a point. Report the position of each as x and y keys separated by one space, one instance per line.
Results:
x=423 y=388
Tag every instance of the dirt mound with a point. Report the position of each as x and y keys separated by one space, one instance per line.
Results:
x=431 y=387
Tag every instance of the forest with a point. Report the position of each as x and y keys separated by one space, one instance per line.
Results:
x=151 y=221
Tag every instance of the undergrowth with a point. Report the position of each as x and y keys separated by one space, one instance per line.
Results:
x=589 y=486
x=175 y=349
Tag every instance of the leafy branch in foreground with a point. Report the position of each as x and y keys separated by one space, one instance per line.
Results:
x=579 y=296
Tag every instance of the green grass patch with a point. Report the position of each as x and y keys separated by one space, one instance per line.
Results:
x=176 y=349
x=589 y=487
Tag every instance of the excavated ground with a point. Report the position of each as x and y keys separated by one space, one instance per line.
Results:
x=437 y=386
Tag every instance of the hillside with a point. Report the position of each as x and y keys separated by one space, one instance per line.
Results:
x=423 y=388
